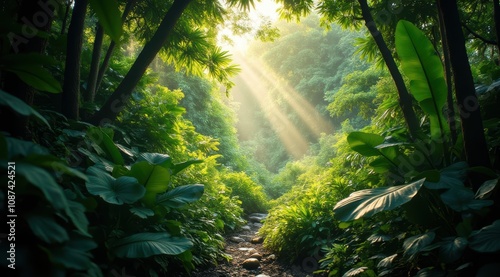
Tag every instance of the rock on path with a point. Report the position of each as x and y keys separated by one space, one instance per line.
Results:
x=249 y=257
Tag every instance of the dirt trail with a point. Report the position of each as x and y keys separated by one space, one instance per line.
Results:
x=241 y=246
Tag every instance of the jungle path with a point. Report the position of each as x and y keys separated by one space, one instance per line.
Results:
x=249 y=257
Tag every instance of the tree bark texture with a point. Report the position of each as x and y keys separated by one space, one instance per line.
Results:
x=111 y=48
x=89 y=94
x=405 y=100
x=120 y=97
x=71 y=86
x=476 y=150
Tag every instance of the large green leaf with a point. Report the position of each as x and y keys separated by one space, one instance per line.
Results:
x=486 y=189
x=413 y=245
x=180 y=196
x=46 y=228
x=74 y=254
x=423 y=67
x=124 y=189
x=54 y=193
x=487 y=239
x=365 y=143
x=452 y=248
x=144 y=245
x=109 y=16
x=19 y=106
x=452 y=176
x=155 y=178
x=462 y=199
x=371 y=201
x=156 y=159
x=142 y=212
x=181 y=166
x=103 y=137
x=29 y=68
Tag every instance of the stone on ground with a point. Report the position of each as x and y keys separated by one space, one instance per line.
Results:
x=251 y=263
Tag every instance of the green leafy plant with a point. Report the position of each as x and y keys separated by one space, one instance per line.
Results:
x=439 y=201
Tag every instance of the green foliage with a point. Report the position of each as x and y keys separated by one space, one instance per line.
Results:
x=145 y=245
x=109 y=17
x=29 y=68
x=368 y=202
x=250 y=193
x=423 y=67
x=19 y=106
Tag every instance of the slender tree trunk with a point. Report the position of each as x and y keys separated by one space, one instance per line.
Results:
x=34 y=17
x=71 y=86
x=450 y=113
x=66 y=16
x=111 y=48
x=405 y=100
x=117 y=101
x=476 y=150
x=89 y=94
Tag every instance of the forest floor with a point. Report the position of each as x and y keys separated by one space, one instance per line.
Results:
x=244 y=245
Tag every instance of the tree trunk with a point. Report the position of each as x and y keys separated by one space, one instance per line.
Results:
x=450 y=113
x=111 y=48
x=34 y=17
x=71 y=86
x=89 y=94
x=476 y=150
x=117 y=101
x=405 y=100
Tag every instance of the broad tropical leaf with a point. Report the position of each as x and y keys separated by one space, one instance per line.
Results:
x=487 y=239
x=413 y=245
x=104 y=139
x=452 y=248
x=73 y=254
x=109 y=16
x=46 y=228
x=156 y=159
x=365 y=143
x=124 y=189
x=144 y=245
x=154 y=178
x=452 y=176
x=181 y=196
x=462 y=199
x=52 y=191
x=142 y=212
x=181 y=166
x=486 y=188
x=423 y=67
x=371 y=201
x=20 y=107
x=29 y=68
x=387 y=261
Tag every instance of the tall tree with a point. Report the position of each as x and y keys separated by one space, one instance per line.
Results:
x=120 y=96
x=476 y=150
x=71 y=85
x=405 y=100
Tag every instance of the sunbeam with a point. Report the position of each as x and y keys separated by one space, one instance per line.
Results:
x=260 y=80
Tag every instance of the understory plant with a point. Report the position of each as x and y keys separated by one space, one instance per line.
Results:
x=431 y=187
x=97 y=207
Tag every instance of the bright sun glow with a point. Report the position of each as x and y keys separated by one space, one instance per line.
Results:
x=259 y=80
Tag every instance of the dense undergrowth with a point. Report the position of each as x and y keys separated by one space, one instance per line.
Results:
x=152 y=189
x=389 y=205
